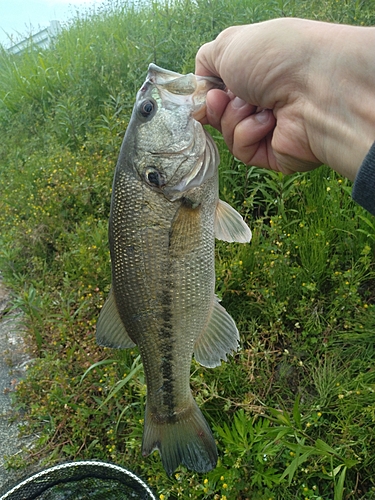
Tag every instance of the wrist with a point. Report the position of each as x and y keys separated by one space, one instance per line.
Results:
x=340 y=105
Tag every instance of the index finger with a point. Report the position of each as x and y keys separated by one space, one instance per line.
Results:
x=204 y=61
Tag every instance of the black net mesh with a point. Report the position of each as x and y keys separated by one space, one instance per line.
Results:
x=79 y=481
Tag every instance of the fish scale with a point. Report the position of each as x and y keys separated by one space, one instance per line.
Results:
x=148 y=306
x=165 y=215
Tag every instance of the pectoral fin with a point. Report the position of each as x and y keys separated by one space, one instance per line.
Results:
x=110 y=330
x=219 y=338
x=229 y=225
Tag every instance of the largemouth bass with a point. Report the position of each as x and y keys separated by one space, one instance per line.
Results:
x=165 y=215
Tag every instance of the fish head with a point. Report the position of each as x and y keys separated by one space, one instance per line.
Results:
x=170 y=142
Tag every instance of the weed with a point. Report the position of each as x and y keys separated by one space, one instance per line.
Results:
x=294 y=410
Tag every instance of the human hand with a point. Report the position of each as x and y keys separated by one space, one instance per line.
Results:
x=254 y=135
x=294 y=107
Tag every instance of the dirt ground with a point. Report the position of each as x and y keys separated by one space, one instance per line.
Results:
x=13 y=363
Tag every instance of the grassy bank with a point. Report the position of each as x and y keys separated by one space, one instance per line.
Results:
x=294 y=411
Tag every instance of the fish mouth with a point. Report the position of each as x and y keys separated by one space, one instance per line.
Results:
x=181 y=84
x=180 y=89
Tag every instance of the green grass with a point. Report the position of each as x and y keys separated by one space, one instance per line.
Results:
x=294 y=411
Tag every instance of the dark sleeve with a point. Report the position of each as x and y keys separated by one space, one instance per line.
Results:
x=364 y=184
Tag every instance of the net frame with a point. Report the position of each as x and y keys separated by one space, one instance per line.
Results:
x=36 y=484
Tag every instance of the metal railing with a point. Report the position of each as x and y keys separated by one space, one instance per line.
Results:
x=41 y=39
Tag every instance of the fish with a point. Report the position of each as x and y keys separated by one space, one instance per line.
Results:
x=164 y=218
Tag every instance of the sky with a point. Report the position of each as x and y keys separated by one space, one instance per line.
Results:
x=25 y=17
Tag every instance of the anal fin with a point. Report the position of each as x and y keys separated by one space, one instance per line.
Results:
x=110 y=330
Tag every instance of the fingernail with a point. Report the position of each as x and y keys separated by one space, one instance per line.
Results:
x=263 y=116
x=238 y=103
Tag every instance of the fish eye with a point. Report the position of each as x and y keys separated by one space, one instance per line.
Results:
x=147 y=108
x=154 y=177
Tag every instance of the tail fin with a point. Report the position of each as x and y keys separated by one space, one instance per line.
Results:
x=188 y=440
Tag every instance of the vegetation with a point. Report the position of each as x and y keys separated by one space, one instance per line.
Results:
x=294 y=411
